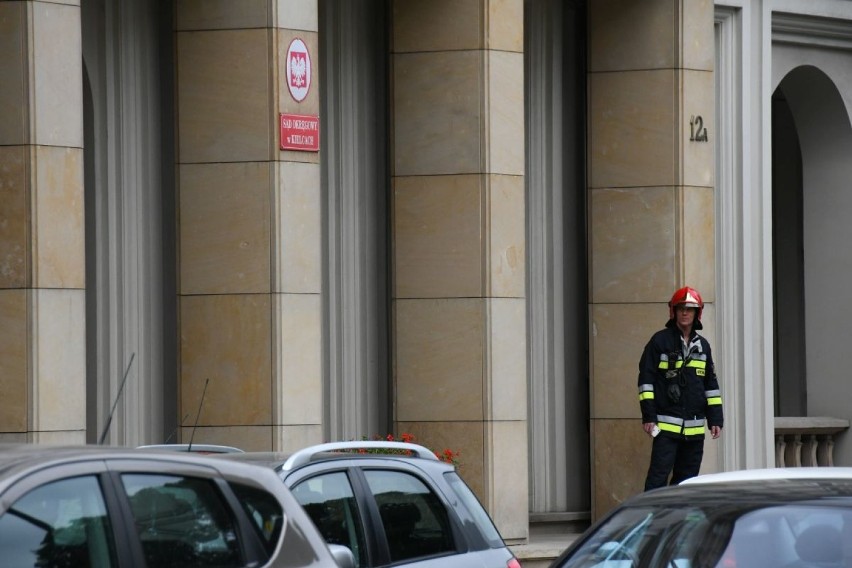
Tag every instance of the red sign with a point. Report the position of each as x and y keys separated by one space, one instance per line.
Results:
x=299 y=132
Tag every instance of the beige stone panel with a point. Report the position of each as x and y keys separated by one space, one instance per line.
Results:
x=248 y=438
x=506 y=25
x=506 y=237
x=66 y=2
x=59 y=360
x=59 y=240
x=297 y=227
x=438 y=359
x=712 y=461
x=708 y=320
x=58 y=74
x=228 y=340
x=58 y=438
x=223 y=96
x=628 y=35
x=193 y=15
x=298 y=15
x=437 y=236
x=298 y=378
x=507 y=359
x=298 y=156
x=286 y=103
x=632 y=244
x=632 y=125
x=467 y=439
x=621 y=453
x=437 y=121
x=225 y=234
x=437 y=25
x=508 y=460
x=14 y=102
x=505 y=114
x=20 y=438
x=618 y=337
x=288 y=439
x=698 y=34
x=699 y=116
x=699 y=240
x=14 y=216
x=14 y=358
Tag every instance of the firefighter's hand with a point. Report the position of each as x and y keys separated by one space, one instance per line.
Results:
x=715 y=431
x=648 y=426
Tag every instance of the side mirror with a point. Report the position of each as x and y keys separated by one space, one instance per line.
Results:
x=342 y=555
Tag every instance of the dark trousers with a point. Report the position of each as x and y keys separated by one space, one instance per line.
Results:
x=676 y=456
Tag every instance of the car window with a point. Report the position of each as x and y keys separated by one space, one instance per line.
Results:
x=791 y=535
x=471 y=503
x=415 y=521
x=182 y=521
x=265 y=511
x=330 y=503
x=60 y=524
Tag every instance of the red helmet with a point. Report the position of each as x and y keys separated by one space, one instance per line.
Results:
x=688 y=297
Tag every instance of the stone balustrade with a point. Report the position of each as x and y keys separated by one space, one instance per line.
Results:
x=802 y=441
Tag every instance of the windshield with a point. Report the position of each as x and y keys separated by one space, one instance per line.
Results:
x=721 y=536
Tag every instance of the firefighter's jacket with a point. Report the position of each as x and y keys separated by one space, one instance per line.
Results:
x=667 y=361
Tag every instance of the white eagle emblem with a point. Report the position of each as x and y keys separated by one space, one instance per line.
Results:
x=298 y=70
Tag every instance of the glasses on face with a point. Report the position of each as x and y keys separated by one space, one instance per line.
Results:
x=684 y=309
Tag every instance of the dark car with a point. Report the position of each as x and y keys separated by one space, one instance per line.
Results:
x=107 y=507
x=403 y=509
x=737 y=520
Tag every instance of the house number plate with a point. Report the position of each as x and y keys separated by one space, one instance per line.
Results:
x=697 y=130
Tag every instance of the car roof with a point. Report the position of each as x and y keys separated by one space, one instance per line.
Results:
x=762 y=474
x=19 y=459
x=194 y=448
x=284 y=462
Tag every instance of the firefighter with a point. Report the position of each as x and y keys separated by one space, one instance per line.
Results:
x=678 y=392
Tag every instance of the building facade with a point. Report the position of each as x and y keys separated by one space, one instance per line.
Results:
x=270 y=223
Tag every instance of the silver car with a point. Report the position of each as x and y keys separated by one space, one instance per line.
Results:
x=106 y=507
x=394 y=504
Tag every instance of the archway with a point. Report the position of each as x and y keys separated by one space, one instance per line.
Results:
x=812 y=142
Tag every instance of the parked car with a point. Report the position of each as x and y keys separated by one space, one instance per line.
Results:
x=739 y=519
x=108 y=507
x=390 y=508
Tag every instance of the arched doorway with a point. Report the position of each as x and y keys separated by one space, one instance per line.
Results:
x=812 y=143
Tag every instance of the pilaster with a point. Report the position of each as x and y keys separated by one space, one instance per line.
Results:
x=458 y=262
x=249 y=228
x=651 y=207
x=42 y=267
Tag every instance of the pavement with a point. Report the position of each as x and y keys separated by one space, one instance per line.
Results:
x=542 y=549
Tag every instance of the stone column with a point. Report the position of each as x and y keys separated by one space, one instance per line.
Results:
x=651 y=176
x=459 y=315
x=42 y=266
x=249 y=228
